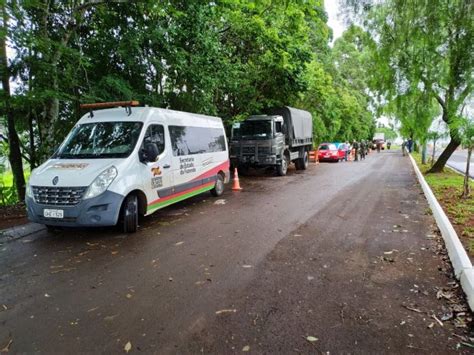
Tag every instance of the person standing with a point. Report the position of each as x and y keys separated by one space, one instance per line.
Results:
x=355 y=148
x=409 y=145
x=362 y=150
x=347 y=148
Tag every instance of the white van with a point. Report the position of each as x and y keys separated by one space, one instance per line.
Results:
x=121 y=162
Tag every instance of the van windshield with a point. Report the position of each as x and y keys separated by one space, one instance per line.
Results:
x=255 y=129
x=100 y=140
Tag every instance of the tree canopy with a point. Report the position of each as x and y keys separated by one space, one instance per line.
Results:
x=229 y=58
x=423 y=53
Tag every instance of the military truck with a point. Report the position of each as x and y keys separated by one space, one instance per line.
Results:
x=281 y=136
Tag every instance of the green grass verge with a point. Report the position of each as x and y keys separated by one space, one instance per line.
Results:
x=447 y=187
x=7 y=191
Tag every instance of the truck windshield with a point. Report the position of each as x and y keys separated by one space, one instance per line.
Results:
x=100 y=140
x=256 y=129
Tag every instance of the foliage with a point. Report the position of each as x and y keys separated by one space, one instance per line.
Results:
x=8 y=194
x=229 y=58
x=424 y=47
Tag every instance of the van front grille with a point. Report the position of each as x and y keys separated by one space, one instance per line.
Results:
x=58 y=196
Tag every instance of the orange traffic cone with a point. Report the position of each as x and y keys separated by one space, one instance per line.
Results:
x=236 y=186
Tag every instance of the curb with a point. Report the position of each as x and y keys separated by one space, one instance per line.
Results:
x=21 y=231
x=457 y=254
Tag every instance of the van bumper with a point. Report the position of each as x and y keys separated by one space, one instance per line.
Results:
x=102 y=210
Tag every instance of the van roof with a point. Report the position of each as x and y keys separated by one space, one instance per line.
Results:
x=146 y=114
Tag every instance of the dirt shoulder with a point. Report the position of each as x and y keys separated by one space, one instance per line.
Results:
x=368 y=274
x=11 y=216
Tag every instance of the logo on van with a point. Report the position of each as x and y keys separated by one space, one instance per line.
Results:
x=55 y=180
x=156 y=171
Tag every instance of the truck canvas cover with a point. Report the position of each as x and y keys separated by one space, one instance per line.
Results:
x=299 y=124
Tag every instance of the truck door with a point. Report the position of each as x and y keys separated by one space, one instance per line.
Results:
x=157 y=175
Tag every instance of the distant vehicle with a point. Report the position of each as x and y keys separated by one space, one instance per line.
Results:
x=329 y=152
x=282 y=136
x=119 y=163
x=379 y=141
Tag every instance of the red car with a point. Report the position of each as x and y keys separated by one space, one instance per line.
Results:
x=329 y=152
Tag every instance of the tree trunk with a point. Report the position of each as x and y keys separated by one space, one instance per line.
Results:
x=443 y=158
x=467 y=189
x=32 y=142
x=13 y=141
x=423 y=153
x=434 y=151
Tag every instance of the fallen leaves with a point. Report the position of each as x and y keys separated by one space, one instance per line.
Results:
x=6 y=348
x=179 y=243
x=444 y=294
x=110 y=318
x=62 y=270
x=246 y=348
x=224 y=311
x=127 y=347
x=413 y=309
x=437 y=320
x=311 y=339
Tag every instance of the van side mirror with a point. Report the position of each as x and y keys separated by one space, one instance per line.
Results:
x=149 y=153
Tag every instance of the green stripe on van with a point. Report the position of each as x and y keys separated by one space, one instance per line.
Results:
x=157 y=205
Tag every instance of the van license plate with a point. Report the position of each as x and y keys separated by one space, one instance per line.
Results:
x=48 y=213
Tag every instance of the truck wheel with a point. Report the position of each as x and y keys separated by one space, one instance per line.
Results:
x=283 y=167
x=304 y=161
x=218 y=187
x=130 y=214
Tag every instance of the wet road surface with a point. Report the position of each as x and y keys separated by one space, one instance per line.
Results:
x=337 y=252
x=458 y=161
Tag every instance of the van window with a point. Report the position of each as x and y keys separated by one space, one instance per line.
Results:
x=187 y=140
x=155 y=134
x=100 y=140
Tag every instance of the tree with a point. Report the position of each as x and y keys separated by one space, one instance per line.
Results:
x=426 y=45
x=14 y=154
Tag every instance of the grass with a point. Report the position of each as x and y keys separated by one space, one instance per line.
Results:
x=447 y=187
x=8 y=193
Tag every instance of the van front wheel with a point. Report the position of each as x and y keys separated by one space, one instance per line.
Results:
x=218 y=187
x=130 y=214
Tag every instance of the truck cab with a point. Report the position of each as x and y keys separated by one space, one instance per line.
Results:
x=257 y=141
x=275 y=139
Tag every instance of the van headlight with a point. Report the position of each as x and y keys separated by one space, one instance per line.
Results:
x=101 y=182
x=29 y=191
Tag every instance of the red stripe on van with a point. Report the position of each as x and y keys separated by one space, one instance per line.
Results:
x=222 y=167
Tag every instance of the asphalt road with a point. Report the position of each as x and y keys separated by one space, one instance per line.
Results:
x=458 y=161
x=337 y=252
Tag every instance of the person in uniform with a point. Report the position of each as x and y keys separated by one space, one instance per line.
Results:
x=362 y=150
x=355 y=147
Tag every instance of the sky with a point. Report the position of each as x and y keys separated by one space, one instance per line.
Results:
x=337 y=25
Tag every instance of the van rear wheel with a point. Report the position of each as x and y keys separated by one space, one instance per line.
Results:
x=218 y=187
x=130 y=214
